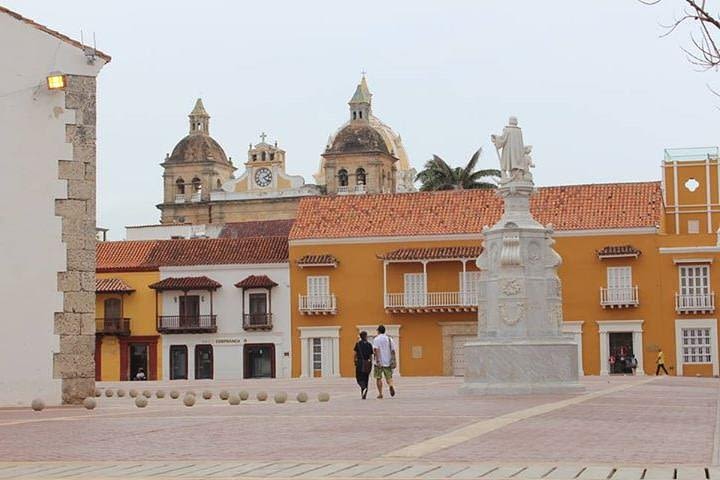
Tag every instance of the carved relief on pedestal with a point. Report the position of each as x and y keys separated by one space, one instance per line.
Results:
x=534 y=253
x=510 y=254
x=511 y=313
x=511 y=287
x=494 y=255
x=555 y=314
x=554 y=288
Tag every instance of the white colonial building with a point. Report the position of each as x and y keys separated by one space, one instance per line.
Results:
x=225 y=321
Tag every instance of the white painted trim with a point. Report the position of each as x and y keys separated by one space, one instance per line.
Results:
x=710 y=323
x=619 y=326
x=675 y=198
x=315 y=332
x=575 y=329
x=707 y=195
x=473 y=236
x=699 y=249
x=306 y=336
x=677 y=261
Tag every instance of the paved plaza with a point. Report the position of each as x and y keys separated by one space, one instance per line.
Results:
x=620 y=428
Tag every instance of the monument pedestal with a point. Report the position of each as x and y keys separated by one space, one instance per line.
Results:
x=523 y=366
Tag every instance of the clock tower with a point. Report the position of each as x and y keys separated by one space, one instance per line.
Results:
x=265 y=166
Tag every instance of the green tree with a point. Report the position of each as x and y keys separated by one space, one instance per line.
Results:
x=438 y=175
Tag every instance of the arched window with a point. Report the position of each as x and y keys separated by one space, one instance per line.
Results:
x=343 y=178
x=180 y=184
x=219 y=184
x=263 y=156
x=197 y=185
x=113 y=308
x=360 y=113
x=354 y=115
x=360 y=176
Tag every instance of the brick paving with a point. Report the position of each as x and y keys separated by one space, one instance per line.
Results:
x=665 y=427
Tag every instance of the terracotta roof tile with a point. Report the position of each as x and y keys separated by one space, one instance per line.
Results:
x=432 y=253
x=52 y=32
x=570 y=207
x=264 y=228
x=256 y=281
x=112 y=285
x=147 y=255
x=618 y=251
x=186 y=283
x=324 y=259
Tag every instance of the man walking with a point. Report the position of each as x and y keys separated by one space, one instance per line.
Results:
x=660 y=363
x=385 y=360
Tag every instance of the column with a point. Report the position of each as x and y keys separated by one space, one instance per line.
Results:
x=604 y=353
x=304 y=357
x=638 y=352
x=336 y=356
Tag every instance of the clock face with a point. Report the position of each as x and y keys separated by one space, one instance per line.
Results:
x=263 y=177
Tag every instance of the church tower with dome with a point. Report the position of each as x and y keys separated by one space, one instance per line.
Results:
x=365 y=155
x=196 y=167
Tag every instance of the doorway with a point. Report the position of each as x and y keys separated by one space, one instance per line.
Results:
x=203 y=362
x=138 y=359
x=178 y=362
x=621 y=349
x=189 y=311
x=259 y=361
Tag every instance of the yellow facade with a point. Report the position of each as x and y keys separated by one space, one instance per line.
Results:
x=139 y=308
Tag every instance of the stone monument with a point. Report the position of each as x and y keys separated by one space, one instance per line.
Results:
x=520 y=347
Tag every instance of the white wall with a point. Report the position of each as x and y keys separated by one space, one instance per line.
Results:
x=227 y=305
x=32 y=141
x=166 y=232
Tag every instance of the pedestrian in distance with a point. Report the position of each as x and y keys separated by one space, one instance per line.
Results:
x=385 y=361
x=363 y=363
x=140 y=375
x=660 y=363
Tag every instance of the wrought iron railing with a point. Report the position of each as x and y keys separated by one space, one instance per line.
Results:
x=187 y=323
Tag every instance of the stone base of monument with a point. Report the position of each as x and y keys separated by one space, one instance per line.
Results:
x=521 y=367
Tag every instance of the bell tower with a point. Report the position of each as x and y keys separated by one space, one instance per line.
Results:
x=199 y=119
x=361 y=103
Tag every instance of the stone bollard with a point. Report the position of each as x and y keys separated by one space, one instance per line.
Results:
x=37 y=404
x=224 y=394
x=147 y=393
x=189 y=400
x=160 y=394
x=133 y=393
x=120 y=393
x=233 y=399
x=323 y=397
x=141 y=402
x=97 y=392
x=109 y=393
x=302 y=397
x=244 y=395
x=89 y=403
x=207 y=394
x=280 y=397
x=261 y=396
x=174 y=394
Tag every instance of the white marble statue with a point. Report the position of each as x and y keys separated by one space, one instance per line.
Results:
x=515 y=160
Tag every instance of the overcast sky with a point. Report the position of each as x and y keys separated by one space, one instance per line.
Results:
x=599 y=95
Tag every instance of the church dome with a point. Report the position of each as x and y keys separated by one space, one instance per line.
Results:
x=358 y=138
x=197 y=148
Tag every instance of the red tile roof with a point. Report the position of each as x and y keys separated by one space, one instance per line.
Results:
x=52 y=32
x=148 y=255
x=186 y=283
x=618 y=251
x=264 y=228
x=432 y=253
x=112 y=285
x=256 y=281
x=324 y=259
x=570 y=207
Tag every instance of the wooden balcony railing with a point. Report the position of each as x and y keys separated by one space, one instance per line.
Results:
x=318 y=304
x=112 y=326
x=257 y=321
x=431 y=302
x=187 y=324
x=619 y=297
x=702 y=303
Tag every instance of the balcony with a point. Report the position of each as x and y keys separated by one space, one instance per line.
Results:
x=257 y=321
x=196 y=197
x=620 y=297
x=112 y=326
x=352 y=190
x=703 y=303
x=187 y=324
x=179 y=198
x=431 y=302
x=318 y=304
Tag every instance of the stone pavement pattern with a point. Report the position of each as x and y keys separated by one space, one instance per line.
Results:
x=621 y=428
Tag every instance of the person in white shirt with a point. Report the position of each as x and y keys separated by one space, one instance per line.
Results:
x=384 y=352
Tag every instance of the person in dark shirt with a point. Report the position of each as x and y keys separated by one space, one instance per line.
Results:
x=363 y=363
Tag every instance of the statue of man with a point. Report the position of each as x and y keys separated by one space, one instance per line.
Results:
x=511 y=148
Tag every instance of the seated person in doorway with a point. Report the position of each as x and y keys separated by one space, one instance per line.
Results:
x=140 y=375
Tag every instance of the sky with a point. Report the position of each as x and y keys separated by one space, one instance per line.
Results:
x=597 y=92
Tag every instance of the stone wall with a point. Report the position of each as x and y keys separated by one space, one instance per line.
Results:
x=75 y=325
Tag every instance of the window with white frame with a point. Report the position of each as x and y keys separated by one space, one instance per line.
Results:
x=317 y=356
x=694 y=280
x=318 y=291
x=415 y=289
x=619 y=284
x=696 y=345
x=469 y=287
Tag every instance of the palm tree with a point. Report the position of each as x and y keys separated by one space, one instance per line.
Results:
x=438 y=175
